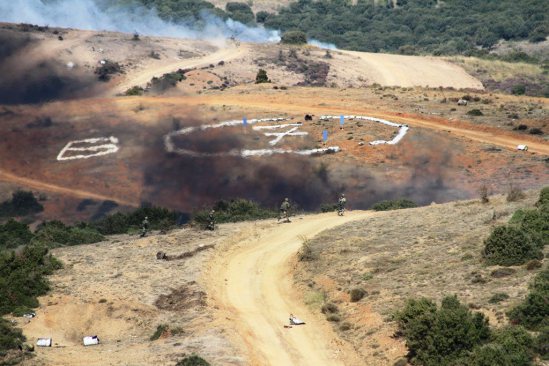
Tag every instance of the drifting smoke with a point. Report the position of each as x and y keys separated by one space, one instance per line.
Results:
x=323 y=45
x=86 y=14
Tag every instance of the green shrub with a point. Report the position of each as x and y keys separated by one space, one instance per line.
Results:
x=294 y=37
x=262 y=16
x=509 y=346
x=333 y=318
x=394 y=205
x=535 y=222
x=533 y=312
x=329 y=308
x=475 y=112
x=22 y=203
x=56 y=234
x=262 y=77
x=159 y=331
x=14 y=234
x=499 y=297
x=241 y=12
x=134 y=91
x=234 y=210
x=357 y=294
x=121 y=223
x=519 y=89
x=22 y=277
x=193 y=360
x=509 y=246
x=541 y=343
x=440 y=336
x=329 y=207
x=543 y=197
x=10 y=338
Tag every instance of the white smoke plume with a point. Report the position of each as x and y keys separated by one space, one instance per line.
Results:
x=320 y=44
x=86 y=14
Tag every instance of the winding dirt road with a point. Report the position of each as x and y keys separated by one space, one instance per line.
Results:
x=252 y=286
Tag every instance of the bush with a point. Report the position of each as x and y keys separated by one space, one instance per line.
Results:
x=333 y=318
x=519 y=89
x=161 y=329
x=294 y=37
x=10 y=338
x=543 y=197
x=22 y=277
x=475 y=112
x=509 y=346
x=509 y=246
x=262 y=16
x=56 y=234
x=329 y=308
x=535 y=222
x=357 y=294
x=541 y=343
x=234 y=210
x=22 y=203
x=533 y=312
x=440 y=336
x=394 y=205
x=121 y=223
x=499 y=297
x=514 y=193
x=535 y=131
x=14 y=234
x=134 y=91
x=167 y=81
x=483 y=193
x=193 y=360
x=262 y=77
x=107 y=69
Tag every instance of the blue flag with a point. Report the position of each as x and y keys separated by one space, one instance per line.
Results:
x=325 y=135
x=245 y=121
x=341 y=120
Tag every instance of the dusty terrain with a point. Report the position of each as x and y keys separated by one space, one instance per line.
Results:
x=431 y=251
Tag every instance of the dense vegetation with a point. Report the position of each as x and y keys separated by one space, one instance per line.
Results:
x=394 y=205
x=193 y=360
x=523 y=238
x=122 y=223
x=533 y=312
x=415 y=26
x=234 y=210
x=452 y=335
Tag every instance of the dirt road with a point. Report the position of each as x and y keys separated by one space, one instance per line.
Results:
x=42 y=186
x=142 y=76
x=252 y=285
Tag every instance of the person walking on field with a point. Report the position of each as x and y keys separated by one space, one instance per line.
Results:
x=285 y=210
x=145 y=227
x=211 y=220
x=341 y=204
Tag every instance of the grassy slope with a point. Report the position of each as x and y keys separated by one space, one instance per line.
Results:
x=430 y=251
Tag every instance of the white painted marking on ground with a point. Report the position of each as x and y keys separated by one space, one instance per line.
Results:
x=98 y=146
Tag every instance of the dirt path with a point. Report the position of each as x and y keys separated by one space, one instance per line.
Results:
x=252 y=285
x=142 y=76
x=34 y=184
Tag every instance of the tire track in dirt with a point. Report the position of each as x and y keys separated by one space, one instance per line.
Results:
x=34 y=184
x=252 y=286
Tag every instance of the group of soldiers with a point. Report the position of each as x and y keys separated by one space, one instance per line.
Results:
x=284 y=214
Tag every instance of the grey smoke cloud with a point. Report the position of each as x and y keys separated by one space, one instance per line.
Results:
x=86 y=14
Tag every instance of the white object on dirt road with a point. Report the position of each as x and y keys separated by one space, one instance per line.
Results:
x=522 y=147
x=294 y=320
x=43 y=342
x=91 y=340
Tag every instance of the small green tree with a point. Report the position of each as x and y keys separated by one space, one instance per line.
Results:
x=193 y=360
x=262 y=77
x=294 y=37
x=509 y=246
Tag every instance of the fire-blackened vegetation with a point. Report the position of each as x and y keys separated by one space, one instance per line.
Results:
x=314 y=72
x=108 y=68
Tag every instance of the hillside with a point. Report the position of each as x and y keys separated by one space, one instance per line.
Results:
x=211 y=305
